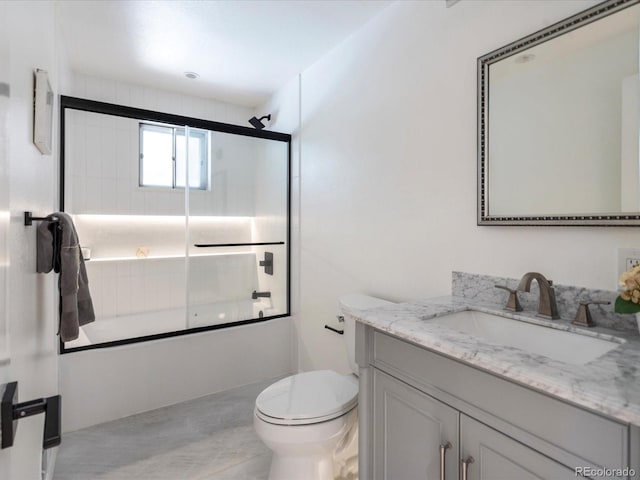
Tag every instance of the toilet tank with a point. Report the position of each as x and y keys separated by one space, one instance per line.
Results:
x=347 y=303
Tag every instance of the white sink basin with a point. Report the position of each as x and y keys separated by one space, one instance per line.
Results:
x=565 y=346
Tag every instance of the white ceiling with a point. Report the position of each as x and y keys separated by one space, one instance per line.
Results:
x=243 y=50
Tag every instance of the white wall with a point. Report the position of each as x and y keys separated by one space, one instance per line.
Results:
x=388 y=168
x=4 y=176
x=28 y=180
x=5 y=80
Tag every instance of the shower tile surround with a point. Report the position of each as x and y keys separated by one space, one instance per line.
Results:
x=138 y=236
x=122 y=284
x=609 y=385
x=101 y=153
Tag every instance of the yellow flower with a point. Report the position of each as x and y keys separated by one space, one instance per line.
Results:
x=629 y=274
x=628 y=300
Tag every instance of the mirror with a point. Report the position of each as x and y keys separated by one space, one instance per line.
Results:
x=558 y=123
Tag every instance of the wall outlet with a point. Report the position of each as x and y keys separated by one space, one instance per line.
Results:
x=631 y=262
x=627 y=259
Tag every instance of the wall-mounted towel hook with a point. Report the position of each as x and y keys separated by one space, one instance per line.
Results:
x=29 y=219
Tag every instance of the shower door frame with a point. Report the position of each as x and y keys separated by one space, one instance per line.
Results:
x=93 y=106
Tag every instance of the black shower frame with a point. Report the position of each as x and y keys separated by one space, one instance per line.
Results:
x=93 y=106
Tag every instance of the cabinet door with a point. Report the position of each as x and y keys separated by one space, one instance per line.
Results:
x=408 y=429
x=498 y=457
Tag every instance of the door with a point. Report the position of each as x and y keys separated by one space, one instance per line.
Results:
x=409 y=428
x=28 y=301
x=498 y=457
x=4 y=209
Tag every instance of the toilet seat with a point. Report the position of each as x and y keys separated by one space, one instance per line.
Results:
x=308 y=398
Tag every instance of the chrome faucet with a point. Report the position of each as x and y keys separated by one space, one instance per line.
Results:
x=547 y=307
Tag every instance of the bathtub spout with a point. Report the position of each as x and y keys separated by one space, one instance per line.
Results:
x=255 y=295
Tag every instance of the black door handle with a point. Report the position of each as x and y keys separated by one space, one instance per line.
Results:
x=11 y=412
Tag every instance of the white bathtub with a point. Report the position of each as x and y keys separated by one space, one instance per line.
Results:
x=105 y=384
x=122 y=327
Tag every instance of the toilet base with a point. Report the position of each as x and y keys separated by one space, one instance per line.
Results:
x=307 y=468
x=335 y=457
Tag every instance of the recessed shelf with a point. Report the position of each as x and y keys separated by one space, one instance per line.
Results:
x=163 y=257
x=141 y=217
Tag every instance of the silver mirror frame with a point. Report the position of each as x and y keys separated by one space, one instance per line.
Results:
x=484 y=62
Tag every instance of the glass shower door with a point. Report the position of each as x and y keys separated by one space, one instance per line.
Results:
x=185 y=229
x=130 y=218
x=237 y=229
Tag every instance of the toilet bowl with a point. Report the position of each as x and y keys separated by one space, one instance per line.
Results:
x=310 y=420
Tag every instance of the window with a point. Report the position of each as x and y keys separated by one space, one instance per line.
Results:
x=163 y=159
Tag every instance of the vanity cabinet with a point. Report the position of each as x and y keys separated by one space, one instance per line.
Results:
x=498 y=457
x=413 y=400
x=409 y=429
x=413 y=433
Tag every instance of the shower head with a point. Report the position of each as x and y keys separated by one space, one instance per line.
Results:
x=257 y=122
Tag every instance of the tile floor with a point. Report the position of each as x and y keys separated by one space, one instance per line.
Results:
x=210 y=438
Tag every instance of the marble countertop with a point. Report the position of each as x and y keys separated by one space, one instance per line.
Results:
x=609 y=385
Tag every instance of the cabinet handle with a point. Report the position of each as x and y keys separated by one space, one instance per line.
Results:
x=465 y=466
x=443 y=451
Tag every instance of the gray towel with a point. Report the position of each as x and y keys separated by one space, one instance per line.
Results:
x=58 y=248
x=45 y=245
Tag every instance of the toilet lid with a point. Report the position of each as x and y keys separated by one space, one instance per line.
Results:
x=309 y=397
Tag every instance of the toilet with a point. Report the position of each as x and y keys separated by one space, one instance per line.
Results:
x=310 y=420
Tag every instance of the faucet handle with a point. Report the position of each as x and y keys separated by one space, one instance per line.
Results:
x=583 y=315
x=513 y=304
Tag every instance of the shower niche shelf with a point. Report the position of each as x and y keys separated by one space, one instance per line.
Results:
x=216 y=253
x=164 y=257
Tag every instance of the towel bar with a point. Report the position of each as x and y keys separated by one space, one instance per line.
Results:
x=29 y=219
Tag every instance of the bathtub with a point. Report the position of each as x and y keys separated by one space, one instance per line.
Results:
x=104 y=384
x=112 y=329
